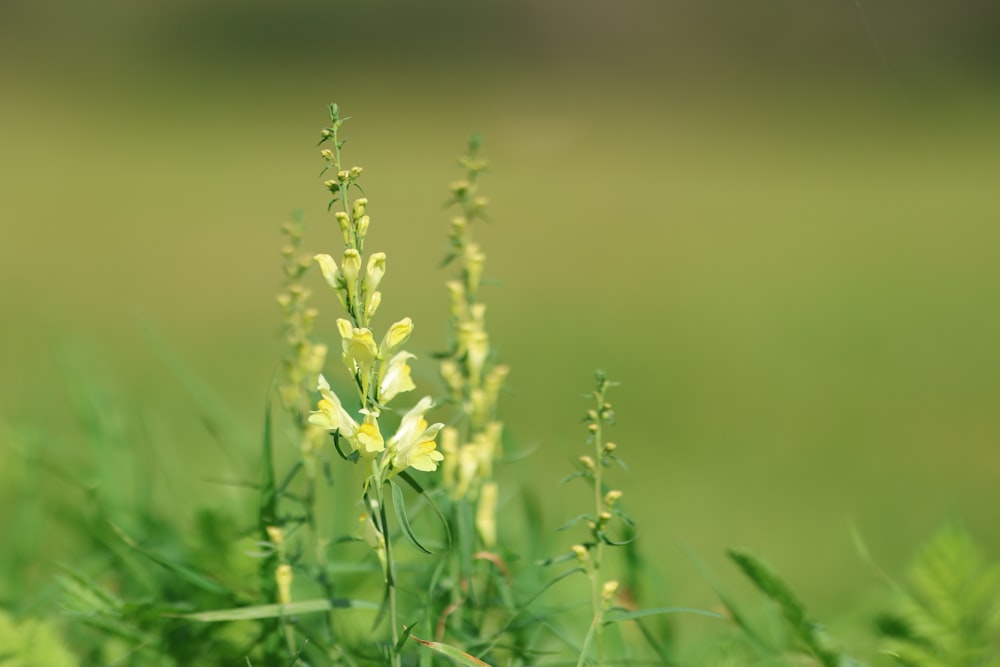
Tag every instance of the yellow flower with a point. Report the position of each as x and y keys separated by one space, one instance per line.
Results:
x=351 y=268
x=328 y=266
x=283 y=578
x=486 y=514
x=368 y=440
x=359 y=347
x=331 y=414
x=395 y=377
x=374 y=272
x=396 y=336
x=414 y=442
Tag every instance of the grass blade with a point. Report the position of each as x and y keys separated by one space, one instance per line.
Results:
x=461 y=657
x=258 y=612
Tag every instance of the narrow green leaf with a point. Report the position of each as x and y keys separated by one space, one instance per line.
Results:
x=267 y=508
x=455 y=654
x=184 y=572
x=415 y=485
x=771 y=585
x=399 y=504
x=572 y=522
x=617 y=616
x=617 y=543
x=555 y=560
x=277 y=610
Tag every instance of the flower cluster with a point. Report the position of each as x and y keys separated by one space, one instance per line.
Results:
x=473 y=380
x=380 y=371
x=305 y=358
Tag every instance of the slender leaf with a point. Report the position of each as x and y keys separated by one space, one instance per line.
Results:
x=278 y=610
x=619 y=615
x=399 y=504
x=184 y=572
x=455 y=654
x=415 y=485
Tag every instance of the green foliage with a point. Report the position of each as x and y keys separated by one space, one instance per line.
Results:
x=32 y=642
x=812 y=637
x=947 y=614
x=433 y=573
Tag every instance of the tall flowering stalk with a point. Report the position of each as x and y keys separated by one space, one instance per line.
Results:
x=472 y=443
x=591 y=553
x=474 y=381
x=378 y=370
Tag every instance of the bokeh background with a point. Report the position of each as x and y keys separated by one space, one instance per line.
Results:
x=776 y=223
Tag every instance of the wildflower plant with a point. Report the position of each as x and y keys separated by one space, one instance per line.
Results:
x=378 y=373
x=606 y=508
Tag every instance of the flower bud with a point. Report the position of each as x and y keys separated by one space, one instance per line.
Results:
x=474 y=261
x=396 y=336
x=351 y=268
x=608 y=591
x=345 y=226
x=328 y=267
x=283 y=578
x=374 y=301
x=612 y=497
x=359 y=207
x=375 y=272
x=486 y=514
x=363 y=226
x=581 y=552
x=587 y=463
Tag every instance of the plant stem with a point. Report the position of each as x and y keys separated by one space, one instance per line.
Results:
x=595 y=578
x=390 y=576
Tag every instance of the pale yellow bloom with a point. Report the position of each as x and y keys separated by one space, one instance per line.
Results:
x=474 y=261
x=478 y=350
x=351 y=268
x=486 y=514
x=374 y=301
x=468 y=469
x=330 y=414
x=328 y=267
x=359 y=347
x=368 y=439
x=283 y=578
x=395 y=377
x=395 y=336
x=414 y=442
x=459 y=305
x=375 y=272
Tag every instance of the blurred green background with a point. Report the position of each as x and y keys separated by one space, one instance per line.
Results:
x=775 y=223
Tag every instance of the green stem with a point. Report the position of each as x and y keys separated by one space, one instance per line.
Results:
x=390 y=576
x=597 y=604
